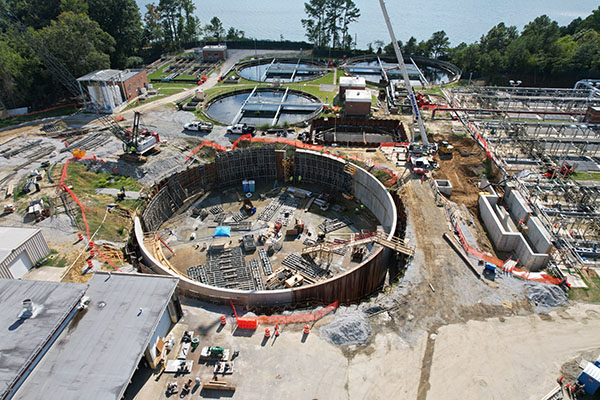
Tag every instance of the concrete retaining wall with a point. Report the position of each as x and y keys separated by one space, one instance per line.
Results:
x=348 y=287
x=505 y=240
x=516 y=204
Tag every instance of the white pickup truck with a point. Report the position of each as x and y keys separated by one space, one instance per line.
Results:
x=241 y=129
x=200 y=126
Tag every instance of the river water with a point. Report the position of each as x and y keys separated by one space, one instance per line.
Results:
x=463 y=20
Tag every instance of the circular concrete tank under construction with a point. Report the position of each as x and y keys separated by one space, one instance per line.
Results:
x=280 y=70
x=264 y=106
x=272 y=252
x=422 y=71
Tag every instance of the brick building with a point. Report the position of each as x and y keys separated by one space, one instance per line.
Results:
x=110 y=88
x=214 y=53
x=358 y=102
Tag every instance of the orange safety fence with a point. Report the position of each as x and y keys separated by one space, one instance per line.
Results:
x=207 y=144
x=62 y=186
x=253 y=322
x=44 y=110
x=530 y=276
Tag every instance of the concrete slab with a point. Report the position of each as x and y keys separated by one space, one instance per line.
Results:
x=574 y=279
x=47 y=273
x=129 y=194
x=292 y=366
x=514 y=358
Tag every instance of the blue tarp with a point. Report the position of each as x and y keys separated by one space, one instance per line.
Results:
x=222 y=231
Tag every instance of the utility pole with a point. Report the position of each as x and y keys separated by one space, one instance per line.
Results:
x=411 y=94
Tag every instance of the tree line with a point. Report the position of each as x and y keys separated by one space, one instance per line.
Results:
x=327 y=22
x=88 y=35
x=543 y=52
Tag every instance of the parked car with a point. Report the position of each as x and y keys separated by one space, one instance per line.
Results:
x=241 y=129
x=200 y=126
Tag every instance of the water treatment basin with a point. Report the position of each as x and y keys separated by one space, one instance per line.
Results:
x=264 y=106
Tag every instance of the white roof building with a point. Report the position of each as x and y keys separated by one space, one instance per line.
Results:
x=20 y=250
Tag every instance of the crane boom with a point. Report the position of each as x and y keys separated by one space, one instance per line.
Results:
x=411 y=94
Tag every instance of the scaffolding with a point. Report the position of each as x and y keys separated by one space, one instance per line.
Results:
x=511 y=124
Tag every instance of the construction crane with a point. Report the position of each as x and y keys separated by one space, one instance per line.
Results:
x=411 y=94
x=135 y=142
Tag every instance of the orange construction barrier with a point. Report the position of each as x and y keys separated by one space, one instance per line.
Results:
x=80 y=236
x=267 y=333
x=203 y=144
x=253 y=322
x=306 y=329
x=223 y=320
x=530 y=276
x=62 y=186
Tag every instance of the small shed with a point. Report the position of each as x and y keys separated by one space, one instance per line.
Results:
x=351 y=82
x=592 y=115
x=20 y=250
x=214 y=52
x=358 y=102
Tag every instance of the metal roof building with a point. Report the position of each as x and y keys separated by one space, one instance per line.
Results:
x=95 y=354
x=20 y=250
x=24 y=340
x=112 y=88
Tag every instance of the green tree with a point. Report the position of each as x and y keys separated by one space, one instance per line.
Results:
x=333 y=14
x=76 y=6
x=327 y=22
x=314 y=23
x=215 y=28
x=351 y=13
x=18 y=69
x=88 y=46
x=498 y=38
x=34 y=13
x=121 y=19
x=191 y=24
x=234 y=34
x=171 y=17
x=592 y=21
x=438 y=44
x=153 y=33
x=411 y=47
x=586 y=55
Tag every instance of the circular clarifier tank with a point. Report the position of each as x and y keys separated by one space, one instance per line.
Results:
x=280 y=70
x=434 y=72
x=264 y=106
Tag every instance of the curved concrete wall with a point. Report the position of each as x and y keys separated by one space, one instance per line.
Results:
x=348 y=287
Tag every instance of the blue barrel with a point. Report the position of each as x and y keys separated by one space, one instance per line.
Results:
x=252 y=186
x=246 y=186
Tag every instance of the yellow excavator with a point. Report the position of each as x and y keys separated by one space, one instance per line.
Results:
x=446 y=148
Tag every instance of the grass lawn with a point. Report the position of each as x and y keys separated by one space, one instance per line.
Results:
x=591 y=294
x=25 y=118
x=163 y=92
x=312 y=87
x=158 y=73
x=586 y=176
x=84 y=184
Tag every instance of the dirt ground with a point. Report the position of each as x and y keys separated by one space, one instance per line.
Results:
x=463 y=170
